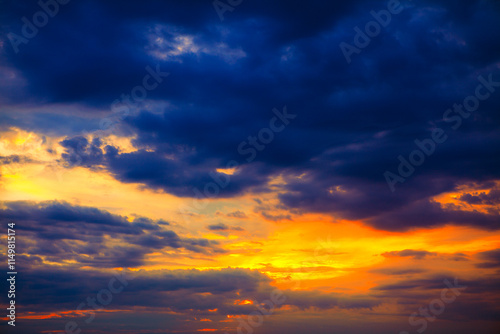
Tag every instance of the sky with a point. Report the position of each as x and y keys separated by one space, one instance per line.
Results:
x=237 y=166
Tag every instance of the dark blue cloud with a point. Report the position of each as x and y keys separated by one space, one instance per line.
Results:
x=469 y=302
x=416 y=254
x=491 y=258
x=353 y=120
x=60 y=231
x=180 y=290
x=14 y=159
x=490 y=198
x=223 y=227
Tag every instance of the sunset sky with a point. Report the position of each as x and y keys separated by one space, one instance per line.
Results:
x=243 y=166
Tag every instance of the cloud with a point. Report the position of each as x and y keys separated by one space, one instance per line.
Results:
x=475 y=301
x=15 y=159
x=237 y=214
x=223 y=227
x=180 y=290
x=62 y=232
x=416 y=254
x=398 y=271
x=491 y=258
x=80 y=152
x=275 y=218
x=490 y=198
x=430 y=213
x=353 y=121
